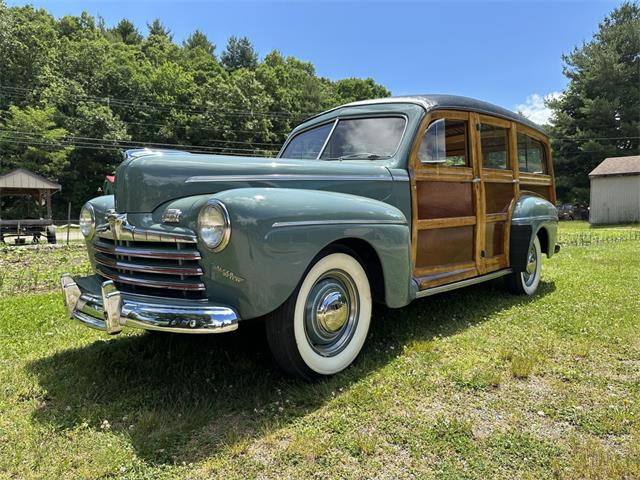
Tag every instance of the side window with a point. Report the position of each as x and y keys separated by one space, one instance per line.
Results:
x=494 y=141
x=445 y=143
x=531 y=155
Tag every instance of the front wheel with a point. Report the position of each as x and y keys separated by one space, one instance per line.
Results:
x=322 y=327
x=527 y=282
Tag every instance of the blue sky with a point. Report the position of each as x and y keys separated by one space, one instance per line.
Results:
x=506 y=52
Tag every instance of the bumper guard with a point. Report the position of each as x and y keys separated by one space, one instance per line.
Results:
x=111 y=311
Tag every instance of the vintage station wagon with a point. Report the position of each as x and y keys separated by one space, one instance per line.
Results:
x=385 y=200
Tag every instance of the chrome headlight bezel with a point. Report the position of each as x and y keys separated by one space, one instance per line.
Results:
x=214 y=207
x=87 y=229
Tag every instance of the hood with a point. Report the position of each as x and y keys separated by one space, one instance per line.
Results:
x=145 y=182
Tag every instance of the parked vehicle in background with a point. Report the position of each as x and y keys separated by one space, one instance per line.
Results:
x=568 y=211
x=385 y=200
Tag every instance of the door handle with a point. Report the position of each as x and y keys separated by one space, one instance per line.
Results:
x=476 y=180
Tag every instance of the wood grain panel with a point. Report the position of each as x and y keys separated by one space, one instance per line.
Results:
x=498 y=197
x=443 y=246
x=445 y=200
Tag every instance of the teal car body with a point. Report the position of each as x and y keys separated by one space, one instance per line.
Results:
x=282 y=213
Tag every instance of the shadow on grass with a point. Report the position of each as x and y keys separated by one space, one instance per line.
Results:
x=184 y=398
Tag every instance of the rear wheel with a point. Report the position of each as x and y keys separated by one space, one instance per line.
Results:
x=322 y=327
x=526 y=282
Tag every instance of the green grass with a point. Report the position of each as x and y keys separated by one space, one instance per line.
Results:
x=474 y=383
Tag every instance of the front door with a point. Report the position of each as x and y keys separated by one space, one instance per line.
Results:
x=464 y=180
x=447 y=201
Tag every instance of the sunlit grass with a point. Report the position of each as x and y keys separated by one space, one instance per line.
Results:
x=474 y=383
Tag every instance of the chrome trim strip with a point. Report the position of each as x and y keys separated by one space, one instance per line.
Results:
x=112 y=310
x=326 y=140
x=147 y=253
x=306 y=223
x=283 y=177
x=144 y=235
x=144 y=268
x=463 y=283
x=525 y=220
x=152 y=283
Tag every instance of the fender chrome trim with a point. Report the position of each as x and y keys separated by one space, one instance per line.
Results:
x=308 y=223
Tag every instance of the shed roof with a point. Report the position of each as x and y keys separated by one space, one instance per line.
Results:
x=22 y=178
x=617 y=166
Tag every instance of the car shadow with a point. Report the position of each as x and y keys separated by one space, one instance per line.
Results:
x=180 y=398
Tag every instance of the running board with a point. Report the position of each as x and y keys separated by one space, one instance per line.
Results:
x=463 y=283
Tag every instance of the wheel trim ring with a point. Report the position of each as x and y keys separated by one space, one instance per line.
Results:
x=322 y=340
x=531 y=271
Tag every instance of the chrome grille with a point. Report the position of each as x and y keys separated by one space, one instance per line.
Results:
x=148 y=262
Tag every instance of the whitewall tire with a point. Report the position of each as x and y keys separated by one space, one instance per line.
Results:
x=322 y=327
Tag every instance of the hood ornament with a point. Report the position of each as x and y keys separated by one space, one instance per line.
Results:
x=119 y=225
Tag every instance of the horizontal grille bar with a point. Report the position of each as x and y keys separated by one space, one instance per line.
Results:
x=143 y=235
x=147 y=268
x=147 y=252
x=184 y=285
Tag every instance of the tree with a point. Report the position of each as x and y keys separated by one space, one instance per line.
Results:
x=158 y=29
x=29 y=138
x=239 y=53
x=199 y=40
x=354 y=89
x=126 y=32
x=598 y=115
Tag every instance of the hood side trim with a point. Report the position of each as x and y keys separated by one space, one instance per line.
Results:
x=283 y=176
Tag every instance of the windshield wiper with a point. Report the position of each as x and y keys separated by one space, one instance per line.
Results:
x=360 y=156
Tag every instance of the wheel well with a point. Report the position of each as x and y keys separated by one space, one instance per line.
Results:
x=543 y=236
x=369 y=259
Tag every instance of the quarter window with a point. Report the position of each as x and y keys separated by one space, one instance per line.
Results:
x=531 y=155
x=445 y=143
x=307 y=145
x=494 y=141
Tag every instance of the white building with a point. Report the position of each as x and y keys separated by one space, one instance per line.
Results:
x=615 y=191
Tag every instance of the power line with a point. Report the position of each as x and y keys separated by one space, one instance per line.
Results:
x=182 y=107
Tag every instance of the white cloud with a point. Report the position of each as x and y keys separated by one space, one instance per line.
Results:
x=534 y=108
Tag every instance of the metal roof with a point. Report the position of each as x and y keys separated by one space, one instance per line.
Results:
x=432 y=102
x=21 y=178
x=617 y=166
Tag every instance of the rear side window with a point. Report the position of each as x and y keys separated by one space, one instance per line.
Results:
x=494 y=141
x=531 y=155
x=307 y=145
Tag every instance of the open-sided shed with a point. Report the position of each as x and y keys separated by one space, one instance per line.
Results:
x=24 y=183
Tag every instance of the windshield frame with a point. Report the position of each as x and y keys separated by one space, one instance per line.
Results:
x=339 y=118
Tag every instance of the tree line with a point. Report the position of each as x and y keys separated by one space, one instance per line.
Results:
x=74 y=93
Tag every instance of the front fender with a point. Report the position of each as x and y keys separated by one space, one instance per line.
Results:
x=277 y=232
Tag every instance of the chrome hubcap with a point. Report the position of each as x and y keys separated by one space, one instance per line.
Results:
x=331 y=313
x=529 y=274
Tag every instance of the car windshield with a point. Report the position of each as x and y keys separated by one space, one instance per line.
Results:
x=351 y=139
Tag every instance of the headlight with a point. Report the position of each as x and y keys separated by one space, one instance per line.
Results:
x=87 y=221
x=214 y=227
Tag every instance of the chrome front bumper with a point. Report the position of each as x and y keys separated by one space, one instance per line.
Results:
x=111 y=310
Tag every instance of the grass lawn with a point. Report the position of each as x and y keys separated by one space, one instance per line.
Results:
x=474 y=383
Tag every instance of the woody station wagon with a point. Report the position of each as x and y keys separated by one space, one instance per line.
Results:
x=384 y=200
